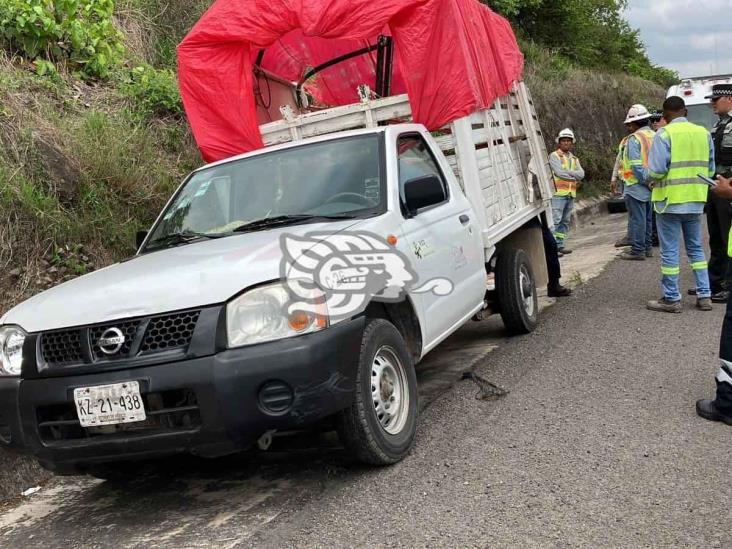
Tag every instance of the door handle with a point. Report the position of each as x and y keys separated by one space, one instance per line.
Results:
x=464 y=219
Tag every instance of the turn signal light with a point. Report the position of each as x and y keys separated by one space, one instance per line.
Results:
x=300 y=321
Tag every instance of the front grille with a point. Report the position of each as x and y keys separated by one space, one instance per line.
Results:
x=62 y=347
x=166 y=411
x=169 y=332
x=128 y=329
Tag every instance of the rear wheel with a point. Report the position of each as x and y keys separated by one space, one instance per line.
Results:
x=379 y=427
x=516 y=288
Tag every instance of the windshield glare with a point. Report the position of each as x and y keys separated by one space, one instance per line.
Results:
x=702 y=115
x=332 y=178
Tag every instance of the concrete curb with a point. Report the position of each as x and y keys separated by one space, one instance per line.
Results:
x=589 y=208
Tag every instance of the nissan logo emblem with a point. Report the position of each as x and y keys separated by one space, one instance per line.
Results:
x=111 y=341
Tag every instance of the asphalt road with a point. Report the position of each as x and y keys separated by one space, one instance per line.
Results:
x=596 y=444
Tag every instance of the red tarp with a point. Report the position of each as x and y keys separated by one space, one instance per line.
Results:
x=451 y=56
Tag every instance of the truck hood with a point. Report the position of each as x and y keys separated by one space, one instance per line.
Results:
x=192 y=275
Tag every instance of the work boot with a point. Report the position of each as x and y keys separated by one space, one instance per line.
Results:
x=708 y=410
x=720 y=297
x=630 y=256
x=704 y=304
x=557 y=290
x=649 y=253
x=663 y=305
x=564 y=251
x=623 y=242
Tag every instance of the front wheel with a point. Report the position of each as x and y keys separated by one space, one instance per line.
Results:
x=379 y=427
x=516 y=289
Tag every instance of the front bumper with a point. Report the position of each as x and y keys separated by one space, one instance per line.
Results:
x=239 y=394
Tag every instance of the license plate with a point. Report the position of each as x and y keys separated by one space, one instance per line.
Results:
x=109 y=404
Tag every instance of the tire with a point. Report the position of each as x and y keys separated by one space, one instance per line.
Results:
x=368 y=430
x=516 y=290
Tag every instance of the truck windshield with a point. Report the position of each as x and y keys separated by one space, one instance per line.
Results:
x=702 y=115
x=340 y=178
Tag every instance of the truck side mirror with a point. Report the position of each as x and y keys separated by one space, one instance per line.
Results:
x=140 y=238
x=421 y=192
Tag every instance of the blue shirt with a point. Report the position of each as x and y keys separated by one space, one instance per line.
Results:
x=640 y=190
x=659 y=162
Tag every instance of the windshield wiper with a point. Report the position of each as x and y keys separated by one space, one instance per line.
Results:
x=174 y=239
x=285 y=220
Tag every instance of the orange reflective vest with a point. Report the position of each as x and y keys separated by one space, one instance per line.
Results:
x=565 y=187
x=645 y=138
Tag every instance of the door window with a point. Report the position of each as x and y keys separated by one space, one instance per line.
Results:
x=415 y=161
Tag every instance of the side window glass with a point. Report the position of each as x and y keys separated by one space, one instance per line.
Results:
x=415 y=161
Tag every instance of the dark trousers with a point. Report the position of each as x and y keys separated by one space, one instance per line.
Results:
x=718 y=223
x=723 y=400
x=551 y=256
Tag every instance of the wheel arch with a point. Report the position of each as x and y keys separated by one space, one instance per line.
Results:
x=403 y=315
x=528 y=237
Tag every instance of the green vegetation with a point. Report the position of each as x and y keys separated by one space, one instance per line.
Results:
x=153 y=92
x=589 y=34
x=80 y=32
x=80 y=166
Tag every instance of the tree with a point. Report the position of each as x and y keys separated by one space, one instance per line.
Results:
x=589 y=33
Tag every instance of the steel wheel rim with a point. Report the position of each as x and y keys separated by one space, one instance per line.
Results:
x=389 y=391
x=527 y=290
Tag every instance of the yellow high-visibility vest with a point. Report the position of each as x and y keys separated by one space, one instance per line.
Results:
x=690 y=154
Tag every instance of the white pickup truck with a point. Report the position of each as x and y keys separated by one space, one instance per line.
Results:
x=195 y=344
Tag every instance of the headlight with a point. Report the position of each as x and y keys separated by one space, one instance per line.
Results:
x=11 y=350
x=261 y=315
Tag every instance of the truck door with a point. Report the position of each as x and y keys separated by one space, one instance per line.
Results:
x=444 y=241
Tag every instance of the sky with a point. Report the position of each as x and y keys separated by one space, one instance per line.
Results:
x=693 y=37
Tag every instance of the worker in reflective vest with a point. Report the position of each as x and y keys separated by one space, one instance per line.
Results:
x=720 y=409
x=680 y=151
x=567 y=172
x=633 y=172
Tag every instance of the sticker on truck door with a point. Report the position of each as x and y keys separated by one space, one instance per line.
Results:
x=423 y=248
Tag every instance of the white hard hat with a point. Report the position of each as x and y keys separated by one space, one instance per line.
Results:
x=566 y=132
x=637 y=112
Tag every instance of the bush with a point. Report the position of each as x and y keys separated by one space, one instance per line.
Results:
x=80 y=31
x=154 y=91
